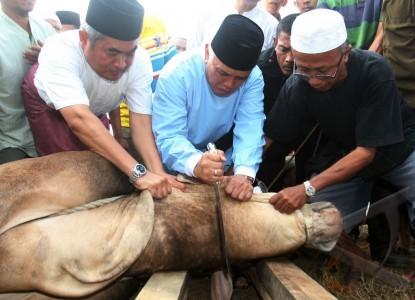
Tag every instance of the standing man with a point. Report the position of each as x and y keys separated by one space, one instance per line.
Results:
x=206 y=27
x=268 y=24
x=362 y=19
x=82 y=75
x=399 y=44
x=201 y=99
x=20 y=40
x=352 y=96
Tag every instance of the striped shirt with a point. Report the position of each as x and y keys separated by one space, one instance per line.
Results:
x=361 y=18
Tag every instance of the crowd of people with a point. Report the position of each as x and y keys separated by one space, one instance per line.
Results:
x=256 y=84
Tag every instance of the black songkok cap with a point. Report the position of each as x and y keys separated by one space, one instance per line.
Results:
x=119 y=19
x=69 y=18
x=238 y=42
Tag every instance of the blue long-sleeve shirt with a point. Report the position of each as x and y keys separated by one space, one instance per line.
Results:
x=187 y=115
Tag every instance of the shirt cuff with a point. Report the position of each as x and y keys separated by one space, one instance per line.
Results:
x=247 y=171
x=191 y=164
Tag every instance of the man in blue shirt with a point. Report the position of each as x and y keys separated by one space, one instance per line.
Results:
x=202 y=98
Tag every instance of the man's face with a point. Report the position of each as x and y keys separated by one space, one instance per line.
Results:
x=322 y=71
x=305 y=5
x=284 y=54
x=20 y=7
x=110 y=58
x=273 y=6
x=222 y=79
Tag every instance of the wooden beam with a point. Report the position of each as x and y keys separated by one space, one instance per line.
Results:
x=164 y=286
x=284 y=280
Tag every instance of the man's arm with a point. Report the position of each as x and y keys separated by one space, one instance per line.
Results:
x=377 y=44
x=88 y=128
x=143 y=139
x=292 y=198
x=248 y=139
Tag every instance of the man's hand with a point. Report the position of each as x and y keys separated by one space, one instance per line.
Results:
x=32 y=53
x=289 y=199
x=209 y=169
x=173 y=181
x=238 y=187
x=158 y=186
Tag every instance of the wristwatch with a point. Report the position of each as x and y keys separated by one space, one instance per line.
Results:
x=249 y=178
x=138 y=171
x=310 y=190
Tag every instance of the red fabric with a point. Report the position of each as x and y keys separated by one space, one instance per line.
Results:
x=50 y=131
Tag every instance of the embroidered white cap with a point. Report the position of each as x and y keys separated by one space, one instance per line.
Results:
x=318 y=31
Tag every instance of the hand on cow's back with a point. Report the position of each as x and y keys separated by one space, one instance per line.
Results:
x=159 y=186
x=289 y=199
x=238 y=187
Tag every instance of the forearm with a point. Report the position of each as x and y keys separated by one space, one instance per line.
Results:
x=89 y=129
x=377 y=44
x=143 y=138
x=345 y=168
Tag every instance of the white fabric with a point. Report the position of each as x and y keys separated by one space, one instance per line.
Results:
x=318 y=31
x=208 y=24
x=267 y=23
x=64 y=78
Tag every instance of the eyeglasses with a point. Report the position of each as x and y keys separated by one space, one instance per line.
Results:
x=318 y=76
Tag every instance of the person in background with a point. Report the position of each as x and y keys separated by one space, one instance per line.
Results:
x=156 y=41
x=180 y=43
x=21 y=37
x=399 y=44
x=82 y=76
x=55 y=23
x=273 y=7
x=362 y=19
x=276 y=65
x=205 y=28
x=216 y=97
x=70 y=20
x=305 y=5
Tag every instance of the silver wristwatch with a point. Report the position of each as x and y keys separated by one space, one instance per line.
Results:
x=310 y=190
x=138 y=171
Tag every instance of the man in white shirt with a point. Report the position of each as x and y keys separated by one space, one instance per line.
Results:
x=206 y=27
x=82 y=75
x=20 y=40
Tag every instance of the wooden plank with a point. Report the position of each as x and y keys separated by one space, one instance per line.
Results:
x=284 y=280
x=164 y=286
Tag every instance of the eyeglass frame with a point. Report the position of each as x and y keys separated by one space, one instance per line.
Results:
x=318 y=76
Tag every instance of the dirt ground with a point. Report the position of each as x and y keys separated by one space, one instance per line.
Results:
x=360 y=286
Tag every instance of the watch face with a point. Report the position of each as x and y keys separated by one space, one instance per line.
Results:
x=140 y=169
x=310 y=191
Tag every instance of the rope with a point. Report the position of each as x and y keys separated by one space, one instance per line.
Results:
x=292 y=157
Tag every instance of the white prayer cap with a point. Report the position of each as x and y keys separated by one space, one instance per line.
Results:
x=318 y=31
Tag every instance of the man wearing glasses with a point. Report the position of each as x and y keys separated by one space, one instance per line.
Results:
x=351 y=95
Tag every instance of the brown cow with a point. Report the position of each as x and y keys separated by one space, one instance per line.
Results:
x=86 y=249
